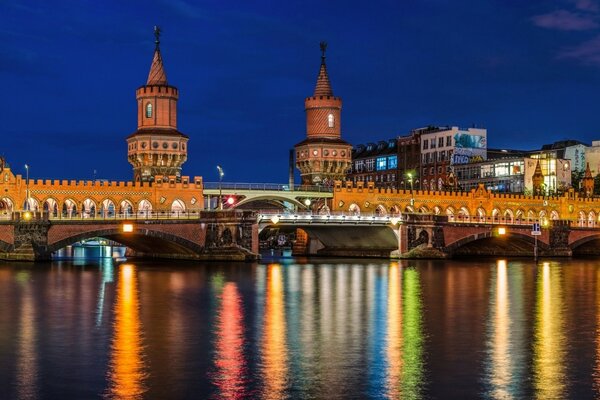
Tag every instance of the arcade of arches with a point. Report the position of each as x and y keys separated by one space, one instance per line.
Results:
x=68 y=199
x=475 y=206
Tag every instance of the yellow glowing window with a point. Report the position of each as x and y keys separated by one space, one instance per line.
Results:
x=127 y=228
x=149 y=110
x=331 y=120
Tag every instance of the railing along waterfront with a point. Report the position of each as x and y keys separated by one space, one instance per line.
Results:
x=275 y=187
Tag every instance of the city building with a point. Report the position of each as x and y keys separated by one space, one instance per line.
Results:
x=592 y=157
x=443 y=147
x=157 y=147
x=376 y=163
x=323 y=156
x=572 y=150
x=514 y=171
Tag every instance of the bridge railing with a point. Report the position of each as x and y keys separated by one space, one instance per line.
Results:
x=342 y=216
x=104 y=216
x=275 y=187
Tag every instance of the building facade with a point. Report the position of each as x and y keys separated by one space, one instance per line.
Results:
x=376 y=162
x=323 y=156
x=443 y=147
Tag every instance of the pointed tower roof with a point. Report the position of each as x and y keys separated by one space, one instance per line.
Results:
x=157 y=75
x=588 y=171
x=323 y=87
x=538 y=169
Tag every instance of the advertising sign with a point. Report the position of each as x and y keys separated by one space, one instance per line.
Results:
x=467 y=141
x=466 y=156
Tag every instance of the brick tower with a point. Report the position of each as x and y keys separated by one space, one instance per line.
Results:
x=157 y=147
x=323 y=156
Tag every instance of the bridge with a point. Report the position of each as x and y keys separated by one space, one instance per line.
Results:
x=416 y=235
x=214 y=235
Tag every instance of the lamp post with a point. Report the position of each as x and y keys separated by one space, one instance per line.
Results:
x=411 y=181
x=27 y=186
x=221 y=174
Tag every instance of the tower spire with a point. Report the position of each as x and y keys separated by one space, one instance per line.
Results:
x=157 y=36
x=323 y=87
x=157 y=75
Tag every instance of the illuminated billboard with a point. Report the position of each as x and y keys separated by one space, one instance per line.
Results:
x=465 y=140
x=468 y=148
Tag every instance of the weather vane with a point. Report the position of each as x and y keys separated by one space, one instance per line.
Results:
x=323 y=46
x=157 y=31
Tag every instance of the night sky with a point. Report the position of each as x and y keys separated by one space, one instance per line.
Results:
x=528 y=71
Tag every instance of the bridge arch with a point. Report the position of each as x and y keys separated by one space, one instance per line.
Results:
x=519 y=214
x=144 y=240
x=31 y=204
x=531 y=215
x=380 y=210
x=51 y=206
x=271 y=197
x=88 y=208
x=395 y=210
x=69 y=208
x=107 y=208
x=424 y=210
x=508 y=216
x=508 y=240
x=554 y=215
x=126 y=207
x=354 y=209
x=144 y=206
x=437 y=210
x=580 y=242
x=6 y=204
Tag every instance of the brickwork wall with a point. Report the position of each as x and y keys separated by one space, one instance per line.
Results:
x=7 y=233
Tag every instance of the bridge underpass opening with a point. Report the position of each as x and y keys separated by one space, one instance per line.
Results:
x=351 y=241
x=136 y=244
x=508 y=245
x=589 y=247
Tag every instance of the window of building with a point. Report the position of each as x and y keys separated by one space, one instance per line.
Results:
x=443 y=155
x=370 y=164
x=358 y=165
x=425 y=144
x=392 y=162
x=448 y=141
x=441 y=141
x=432 y=144
x=431 y=171
x=381 y=163
x=439 y=170
x=149 y=110
x=424 y=171
x=331 y=120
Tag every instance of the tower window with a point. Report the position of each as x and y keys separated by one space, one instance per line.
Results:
x=331 y=120
x=149 y=110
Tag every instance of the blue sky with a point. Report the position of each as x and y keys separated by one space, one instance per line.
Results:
x=528 y=71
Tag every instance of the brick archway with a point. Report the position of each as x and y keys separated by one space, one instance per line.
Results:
x=453 y=247
x=144 y=240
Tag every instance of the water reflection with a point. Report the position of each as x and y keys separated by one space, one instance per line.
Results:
x=127 y=370
x=549 y=341
x=274 y=348
x=230 y=374
x=27 y=370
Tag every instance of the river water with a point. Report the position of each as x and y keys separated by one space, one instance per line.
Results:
x=317 y=329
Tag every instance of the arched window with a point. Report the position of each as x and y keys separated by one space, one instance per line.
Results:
x=149 y=110
x=331 y=120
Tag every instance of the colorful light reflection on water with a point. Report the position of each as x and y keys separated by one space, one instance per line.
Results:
x=395 y=330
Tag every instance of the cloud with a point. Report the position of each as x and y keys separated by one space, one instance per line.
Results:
x=564 y=20
x=587 y=52
x=587 y=5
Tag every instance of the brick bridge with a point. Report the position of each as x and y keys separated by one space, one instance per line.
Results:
x=426 y=235
x=215 y=235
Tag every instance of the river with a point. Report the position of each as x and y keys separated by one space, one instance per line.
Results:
x=319 y=329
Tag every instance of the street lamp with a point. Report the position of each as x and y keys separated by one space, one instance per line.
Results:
x=27 y=186
x=221 y=174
